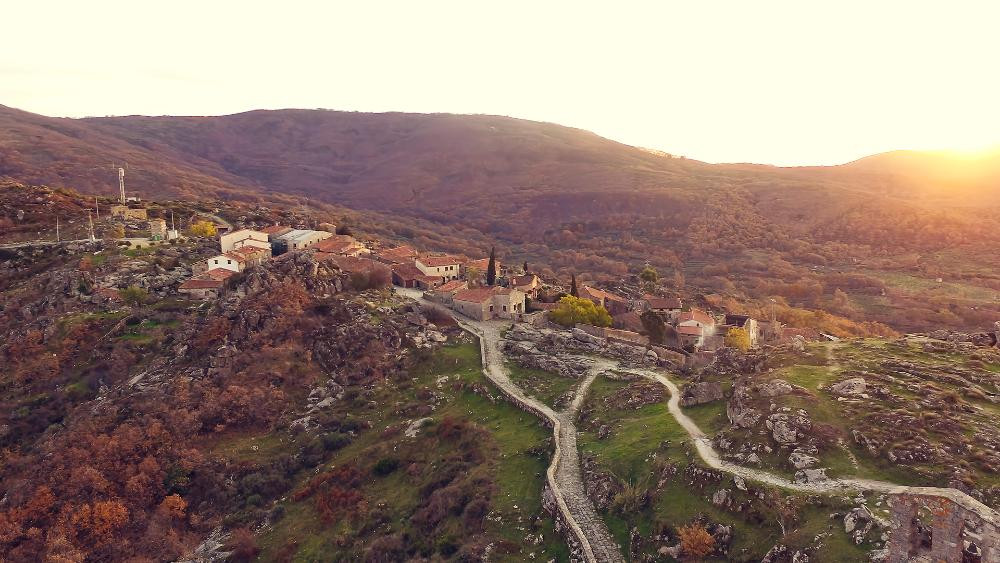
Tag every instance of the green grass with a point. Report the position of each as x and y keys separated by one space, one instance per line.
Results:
x=517 y=459
x=710 y=417
x=544 y=386
x=636 y=447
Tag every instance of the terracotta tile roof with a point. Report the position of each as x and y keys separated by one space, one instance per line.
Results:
x=275 y=230
x=410 y=272
x=476 y=295
x=629 y=321
x=453 y=285
x=233 y=255
x=402 y=253
x=696 y=315
x=690 y=330
x=198 y=283
x=600 y=295
x=656 y=302
x=435 y=261
x=337 y=244
x=527 y=280
x=218 y=274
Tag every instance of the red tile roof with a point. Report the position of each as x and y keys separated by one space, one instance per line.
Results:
x=218 y=274
x=453 y=285
x=481 y=264
x=233 y=255
x=198 y=283
x=351 y=263
x=696 y=315
x=402 y=253
x=690 y=330
x=337 y=244
x=600 y=295
x=275 y=229
x=527 y=280
x=435 y=261
x=475 y=295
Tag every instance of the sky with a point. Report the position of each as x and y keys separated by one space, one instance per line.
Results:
x=786 y=83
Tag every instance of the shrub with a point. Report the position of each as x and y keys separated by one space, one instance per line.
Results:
x=696 y=542
x=573 y=310
x=334 y=440
x=385 y=466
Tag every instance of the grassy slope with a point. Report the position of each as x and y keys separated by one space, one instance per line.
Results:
x=516 y=472
x=638 y=441
x=543 y=385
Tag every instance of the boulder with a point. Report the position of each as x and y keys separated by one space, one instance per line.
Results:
x=800 y=460
x=853 y=387
x=700 y=393
x=774 y=388
x=811 y=475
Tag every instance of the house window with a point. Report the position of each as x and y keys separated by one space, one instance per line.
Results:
x=491 y=308
x=216 y=260
x=504 y=308
x=229 y=261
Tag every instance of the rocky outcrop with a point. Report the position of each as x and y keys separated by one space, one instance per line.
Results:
x=701 y=393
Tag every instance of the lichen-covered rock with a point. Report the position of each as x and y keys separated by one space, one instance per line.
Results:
x=700 y=393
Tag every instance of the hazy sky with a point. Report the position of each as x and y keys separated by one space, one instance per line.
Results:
x=799 y=82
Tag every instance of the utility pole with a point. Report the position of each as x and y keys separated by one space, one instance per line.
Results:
x=90 y=219
x=97 y=208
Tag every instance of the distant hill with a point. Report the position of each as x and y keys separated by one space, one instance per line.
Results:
x=567 y=200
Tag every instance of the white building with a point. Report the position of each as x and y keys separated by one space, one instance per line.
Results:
x=444 y=267
x=243 y=237
x=228 y=261
x=298 y=239
x=484 y=303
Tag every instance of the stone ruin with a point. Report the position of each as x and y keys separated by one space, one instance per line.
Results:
x=946 y=526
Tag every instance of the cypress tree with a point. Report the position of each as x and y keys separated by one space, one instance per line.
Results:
x=525 y=266
x=572 y=287
x=491 y=268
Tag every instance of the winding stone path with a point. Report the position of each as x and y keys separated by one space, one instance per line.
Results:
x=703 y=444
x=563 y=476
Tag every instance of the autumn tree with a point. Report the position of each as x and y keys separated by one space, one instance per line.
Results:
x=738 y=338
x=134 y=296
x=573 y=310
x=473 y=274
x=117 y=232
x=696 y=542
x=203 y=229
x=649 y=277
x=491 y=267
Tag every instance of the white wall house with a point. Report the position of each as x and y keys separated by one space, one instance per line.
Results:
x=298 y=239
x=444 y=267
x=243 y=237
x=228 y=261
x=484 y=303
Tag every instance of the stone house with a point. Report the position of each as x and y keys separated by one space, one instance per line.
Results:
x=403 y=254
x=408 y=275
x=243 y=237
x=484 y=303
x=446 y=292
x=691 y=335
x=697 y=317
x=615 y=304
x=341 y=245
x=209 y=285
x=445 y=267
x=668 y=307
x=528 y=284
x=746 y=323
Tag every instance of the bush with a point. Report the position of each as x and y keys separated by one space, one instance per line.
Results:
x=334 y=440
x=696 y=542
x=243 y=545
x=385 y=466
x=577 y=310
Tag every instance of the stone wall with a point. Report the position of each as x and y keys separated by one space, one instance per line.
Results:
x=961 y=528
x=625 y=336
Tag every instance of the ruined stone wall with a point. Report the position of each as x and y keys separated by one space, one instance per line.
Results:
x=959 y=527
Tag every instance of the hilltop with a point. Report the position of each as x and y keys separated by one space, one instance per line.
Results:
x=865 y=240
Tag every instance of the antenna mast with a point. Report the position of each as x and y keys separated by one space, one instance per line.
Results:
x=121 y=183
